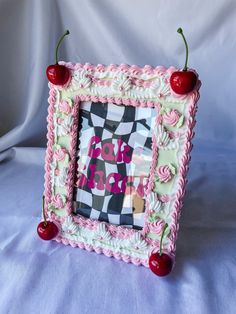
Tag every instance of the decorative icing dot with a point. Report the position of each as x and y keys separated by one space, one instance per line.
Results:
x=59 y=120
x=57 y=172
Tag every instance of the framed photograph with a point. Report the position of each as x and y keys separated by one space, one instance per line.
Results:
x=119 y=142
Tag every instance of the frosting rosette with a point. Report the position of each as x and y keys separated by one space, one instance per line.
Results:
x=64 y=107
x=165 y=173
x=58 y=201
x=172 y=117
x=59 y=120
x=164 y=198
x=60 y=154
x=157 y=226
x=64 y=125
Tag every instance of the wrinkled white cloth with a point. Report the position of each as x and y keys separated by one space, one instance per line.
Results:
x=46 y=277
x=140 y=32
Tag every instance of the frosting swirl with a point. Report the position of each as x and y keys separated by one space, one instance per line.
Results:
x=164 y=173
x=157 y=226
x=164 y=198
x=60 y=154
x=64 y=107
x=57 y=201
x=172 y=117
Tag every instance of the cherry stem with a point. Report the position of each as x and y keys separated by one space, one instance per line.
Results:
x=44 y=215
x=59 y=43
x=162 y=235
x=180 y=31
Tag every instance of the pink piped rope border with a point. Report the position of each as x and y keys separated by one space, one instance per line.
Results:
x=150 y=185
x=115 y=231
x=133 y=70
x=183 y=169
x=72 y=153
x=109 y=253
x=49 y=152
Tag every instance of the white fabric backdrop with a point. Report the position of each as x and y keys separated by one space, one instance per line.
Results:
x=38 y=277
x=133 y=32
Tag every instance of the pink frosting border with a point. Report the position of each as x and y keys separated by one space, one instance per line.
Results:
x=117 y=231
x=109 y=253
x=49 y=151
x=183 y=169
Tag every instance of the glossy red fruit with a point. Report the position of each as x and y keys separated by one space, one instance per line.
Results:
x=161 y=265
x=183 y=82
x=47 y=231
x=58 y=74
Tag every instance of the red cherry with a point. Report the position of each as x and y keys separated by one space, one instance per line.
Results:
x=47 y=230
x=161 y=265
x=58 y=74
x=183 y=82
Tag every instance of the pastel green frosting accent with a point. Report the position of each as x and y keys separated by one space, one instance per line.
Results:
x=180 y=122
x=164 y=156
x=64 y=142
x=169 y=157
x=155 y=236
x=153 y=218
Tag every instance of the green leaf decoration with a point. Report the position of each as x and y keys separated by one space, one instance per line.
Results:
x=69 y=101
x=52 y=207
x=65 y=161
x=67 y=158
x=63 y=198
x=153 y=218
x=156 y=179
x=60 y=114
x=180 y=122
x=153 y=236
x=155 y=189
x=56 y=146
x=172 y=169
x=165 y=110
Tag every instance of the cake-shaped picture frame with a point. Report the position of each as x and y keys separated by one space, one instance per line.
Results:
x=118 y=149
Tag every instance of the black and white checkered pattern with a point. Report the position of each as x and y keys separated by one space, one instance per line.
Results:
x=111 y=122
